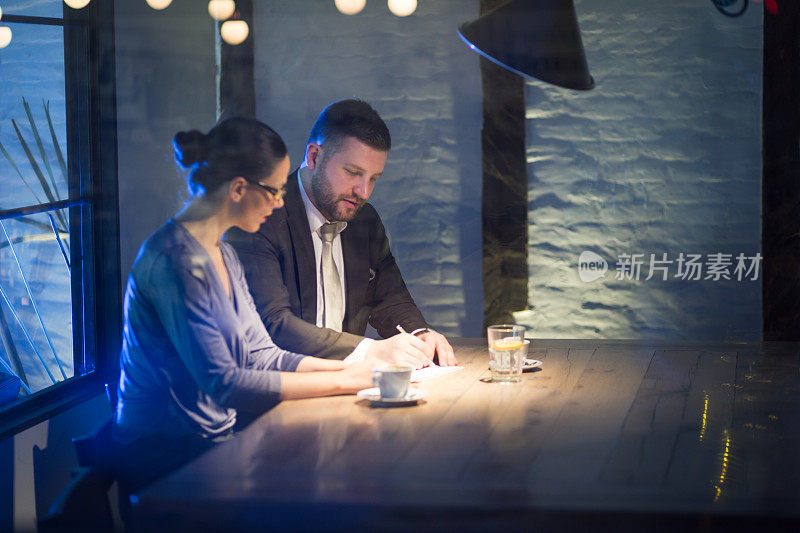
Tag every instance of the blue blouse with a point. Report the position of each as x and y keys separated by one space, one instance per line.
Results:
x=190 y=355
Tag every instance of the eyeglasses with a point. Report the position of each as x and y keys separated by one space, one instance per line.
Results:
x=277 y=194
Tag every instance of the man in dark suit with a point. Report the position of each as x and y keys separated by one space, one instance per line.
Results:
x=321 y=268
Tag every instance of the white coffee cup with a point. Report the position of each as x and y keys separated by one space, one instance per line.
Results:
x=392 y=381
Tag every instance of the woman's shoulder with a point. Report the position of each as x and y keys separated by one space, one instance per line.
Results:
x=169 y=247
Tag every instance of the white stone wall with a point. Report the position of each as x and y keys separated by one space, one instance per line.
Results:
x=425 y=83
x=663 y=156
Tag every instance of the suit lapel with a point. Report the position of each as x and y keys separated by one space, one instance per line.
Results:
x=303 y=247
x=356 y=267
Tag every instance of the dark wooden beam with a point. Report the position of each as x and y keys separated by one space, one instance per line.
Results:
x=505 y=191
x=781 y=173
x=237 y=91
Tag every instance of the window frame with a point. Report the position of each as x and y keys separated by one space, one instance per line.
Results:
x=93 y=200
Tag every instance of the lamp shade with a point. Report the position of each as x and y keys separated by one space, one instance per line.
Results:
x=350 y=7
x=159 y=4
x=77 y=4
x=537 y=39
x=234 y=31
x=5 y=36
x=221 y=9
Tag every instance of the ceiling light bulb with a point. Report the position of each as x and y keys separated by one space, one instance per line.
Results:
x=402 y=8
x=5 y=36
x=350 y=7
x=77 y=4
x=234 y=31
x=159 y=4
x=221 y=9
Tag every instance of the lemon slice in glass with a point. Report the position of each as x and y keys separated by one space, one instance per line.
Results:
x=510 y=343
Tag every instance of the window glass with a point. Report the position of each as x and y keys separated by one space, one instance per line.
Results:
x=34 y=8
x=32 y=70
x=44 y=251
x=35 y=299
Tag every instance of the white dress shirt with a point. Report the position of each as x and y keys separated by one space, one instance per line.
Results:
x=315 y=221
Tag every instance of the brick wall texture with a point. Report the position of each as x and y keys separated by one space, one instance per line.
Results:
x=663 y=156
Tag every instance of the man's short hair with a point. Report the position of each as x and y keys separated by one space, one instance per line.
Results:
x=350 y=118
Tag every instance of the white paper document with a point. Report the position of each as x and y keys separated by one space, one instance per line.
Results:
x=433 y=371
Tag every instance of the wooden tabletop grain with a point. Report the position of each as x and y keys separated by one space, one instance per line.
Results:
x=646 y=435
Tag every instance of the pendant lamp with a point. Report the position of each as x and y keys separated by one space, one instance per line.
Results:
x=537 y=39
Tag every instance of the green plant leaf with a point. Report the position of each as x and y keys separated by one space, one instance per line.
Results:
x=47 y=235
x=8 y=156
x=31 y=296
x=40 y=146
x=39 y=225
x=59 y=154
x=35 y=223
x=37 y=170
x=34 y=164
x=64 y=251
x=26 y=333
x=10 y=347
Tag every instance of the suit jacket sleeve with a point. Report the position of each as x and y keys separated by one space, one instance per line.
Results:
x=259 y=254
x=393 y=303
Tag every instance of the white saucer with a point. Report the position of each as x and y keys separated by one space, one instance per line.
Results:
x=530 y=364
x=373 y=396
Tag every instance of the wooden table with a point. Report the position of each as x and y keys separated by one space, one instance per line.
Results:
x=609 y=435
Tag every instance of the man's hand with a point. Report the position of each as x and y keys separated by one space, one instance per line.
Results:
x=402 y=349
x=438 y=343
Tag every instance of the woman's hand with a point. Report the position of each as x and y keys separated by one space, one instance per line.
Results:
x=356 y=376
x=318 y=377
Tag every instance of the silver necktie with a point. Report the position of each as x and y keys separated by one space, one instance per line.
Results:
x=331 y=284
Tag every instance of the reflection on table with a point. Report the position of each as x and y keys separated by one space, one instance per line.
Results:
x=607 y=433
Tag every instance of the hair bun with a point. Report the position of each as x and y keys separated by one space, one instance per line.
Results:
x=189 y=147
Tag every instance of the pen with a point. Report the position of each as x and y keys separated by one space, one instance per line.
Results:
x=401 y=330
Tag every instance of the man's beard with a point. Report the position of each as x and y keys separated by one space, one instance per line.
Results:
x=325 y=199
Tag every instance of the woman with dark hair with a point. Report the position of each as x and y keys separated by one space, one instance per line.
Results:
x=194 y=349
